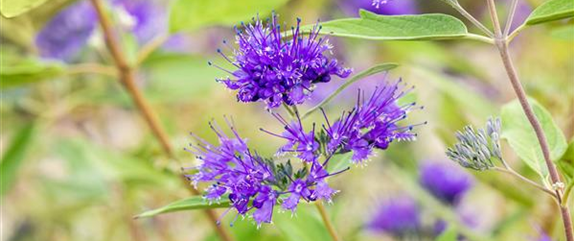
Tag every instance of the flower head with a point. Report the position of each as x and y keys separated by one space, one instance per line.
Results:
x=477 y=149
x=252 y=182
x=276 y=71
x=446 y=182
x=399 y=216
x=373 y=123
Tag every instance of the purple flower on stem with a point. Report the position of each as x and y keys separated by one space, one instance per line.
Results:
x=304 y=144
x=446 y=182
x=254 y=182
x=399 y=217
x=371 y=124
x=276 y=71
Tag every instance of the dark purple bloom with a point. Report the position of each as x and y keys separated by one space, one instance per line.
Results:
x=446 y=182
x=254 y=182
x=298 y=141
x=399 y=216
x=65 y=34
x=371 y=124
x=384 y=7
x=276 y=71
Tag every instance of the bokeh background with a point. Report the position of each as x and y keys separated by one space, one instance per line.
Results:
x=78 y=161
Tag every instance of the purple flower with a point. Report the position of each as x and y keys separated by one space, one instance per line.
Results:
x=276 y=71
x=68 y=32
x=446 y=182
x=371 y=124
x=385 y=7
x=253 y=182
x=304 y=144
x=399 y=216
x=65 y=34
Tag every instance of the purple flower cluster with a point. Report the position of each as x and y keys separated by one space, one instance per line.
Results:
x=276 y=71
x=69 y=31
x=446 y=182
x=399 y=217
x=252 y=182
x=371 y=124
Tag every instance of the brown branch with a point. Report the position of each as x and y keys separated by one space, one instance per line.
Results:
x=502 y=46
x=126 y=76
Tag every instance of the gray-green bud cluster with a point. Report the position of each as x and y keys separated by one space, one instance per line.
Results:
x=476 y=149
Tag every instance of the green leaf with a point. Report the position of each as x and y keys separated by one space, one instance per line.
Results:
x=189 y=15
x=563 y=33
x=13 y=157
x=520 y=135
x=18 y=72
x=13 y=8
x=449 y=234
x=191 y=203
x=365 y=73
x=566 y=163
x=401 y=27
x=550 y=11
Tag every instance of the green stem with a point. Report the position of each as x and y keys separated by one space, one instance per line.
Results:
x=327 y=221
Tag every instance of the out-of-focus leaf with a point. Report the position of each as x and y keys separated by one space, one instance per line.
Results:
x=399 y=27
x=189 y=15
x=307 y=227
x=449 y=234
x=13 y=8
x=366 y=73
x=469 y=100
x=20 y=72
x=182 y=76
x=14 y=155
x=191 y=203
x=563 y=32
x=520 y=135
x=566 y=163
x=551 y=10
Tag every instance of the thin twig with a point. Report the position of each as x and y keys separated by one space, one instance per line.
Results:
x=473 y=20
x=150 y=47
x=92 y=68
x=510 y=17
x=126 y=75
x=502 y=46
x=524 y=179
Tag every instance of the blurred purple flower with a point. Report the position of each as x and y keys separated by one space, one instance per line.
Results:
x=145 y=18
x=391 y=7
x=399 y=217
x=66 y=33
x=277 y=71
x=445 y=181
x=523 y=10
